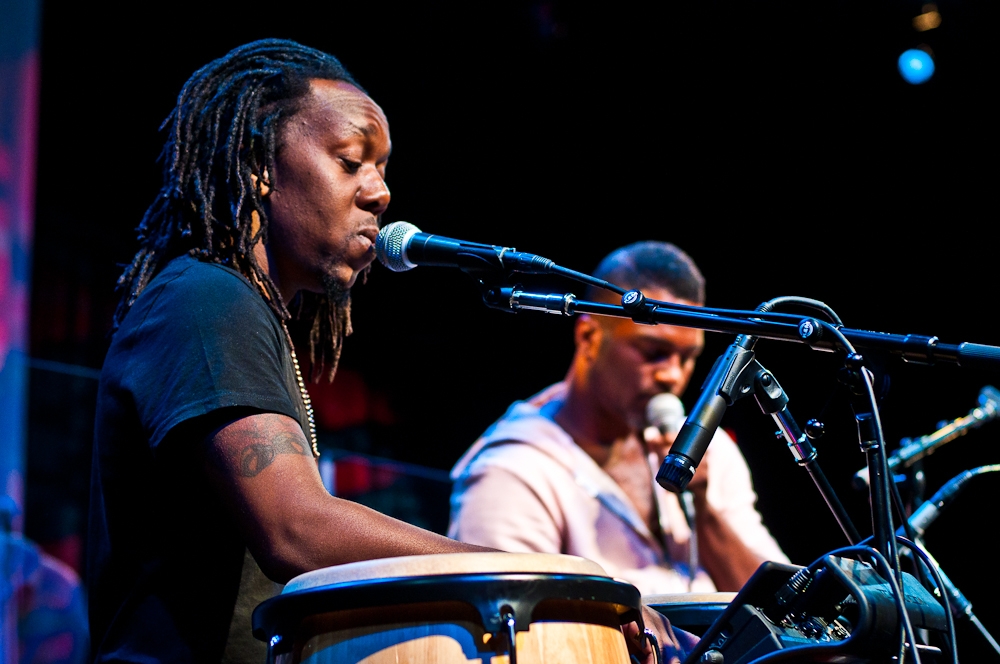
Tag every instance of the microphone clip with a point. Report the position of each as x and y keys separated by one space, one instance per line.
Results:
x=741 y=370
x=638 y=308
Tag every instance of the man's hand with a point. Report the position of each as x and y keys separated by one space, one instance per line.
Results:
x=723 y=554
x=674 y=644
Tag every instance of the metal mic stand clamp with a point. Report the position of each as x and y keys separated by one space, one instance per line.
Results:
x=635 y=305
x=870 y=439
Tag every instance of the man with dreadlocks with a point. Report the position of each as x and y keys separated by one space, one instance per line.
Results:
x=205 y=490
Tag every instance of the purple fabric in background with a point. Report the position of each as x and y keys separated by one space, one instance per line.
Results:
x=44 y=607
x=18 y=136
x=43 y=612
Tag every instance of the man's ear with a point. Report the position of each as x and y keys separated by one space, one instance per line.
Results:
x=265 y=183
x=587 y=334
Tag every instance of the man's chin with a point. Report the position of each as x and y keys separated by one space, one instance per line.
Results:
x=337 y=289
x=635 y=421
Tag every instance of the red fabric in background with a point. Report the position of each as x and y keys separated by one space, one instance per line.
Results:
x=348 y=402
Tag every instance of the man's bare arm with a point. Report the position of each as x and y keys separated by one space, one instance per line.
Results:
x=723 y=553
x=263 y=469
x=726 y=558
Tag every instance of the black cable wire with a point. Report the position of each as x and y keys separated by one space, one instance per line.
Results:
x=804 y=301
x=889 y=576
x=914 y=544
x=655 y=644
x=880 y=437
x=772 y=316
x=897 y=593
x=897 y=501
x=952 y=639
x=880 y=561
x=587 y=279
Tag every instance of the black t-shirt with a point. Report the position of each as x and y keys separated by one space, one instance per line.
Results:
x=165 y=561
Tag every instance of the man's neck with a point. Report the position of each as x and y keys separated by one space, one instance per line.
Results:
x=265 y=260
x=595 y=433
x=615 y=447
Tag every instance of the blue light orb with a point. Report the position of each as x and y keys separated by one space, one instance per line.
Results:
x=916 y=66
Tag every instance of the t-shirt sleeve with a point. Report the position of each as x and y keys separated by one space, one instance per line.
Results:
x=202 y=340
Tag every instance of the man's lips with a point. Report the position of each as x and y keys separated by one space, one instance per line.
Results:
x=370 y=233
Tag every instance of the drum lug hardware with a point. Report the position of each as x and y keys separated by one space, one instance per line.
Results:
x=508 y=621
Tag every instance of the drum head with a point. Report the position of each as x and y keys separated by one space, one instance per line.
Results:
x=445 y=563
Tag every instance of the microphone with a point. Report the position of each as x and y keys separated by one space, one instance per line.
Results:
x=914 y=450
x=665 y=412
x=924 y=515
x=401 y=246
x=698 y=430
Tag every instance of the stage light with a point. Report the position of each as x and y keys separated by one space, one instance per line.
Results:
x=916 y=66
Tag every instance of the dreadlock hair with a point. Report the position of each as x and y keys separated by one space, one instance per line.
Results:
x=651 y=264
x=223 y=135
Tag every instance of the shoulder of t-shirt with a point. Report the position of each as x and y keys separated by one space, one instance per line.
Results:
x=189 y=286
x=205 y=279
x=518 y=457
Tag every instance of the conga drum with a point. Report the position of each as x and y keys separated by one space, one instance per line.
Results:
x=488 y=608
x=692 y=612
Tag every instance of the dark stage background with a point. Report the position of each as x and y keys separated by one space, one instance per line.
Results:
x=775 y=142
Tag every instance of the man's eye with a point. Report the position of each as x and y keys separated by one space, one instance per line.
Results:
x=351 y=165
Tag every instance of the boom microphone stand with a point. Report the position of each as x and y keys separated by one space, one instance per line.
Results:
x=818 y=334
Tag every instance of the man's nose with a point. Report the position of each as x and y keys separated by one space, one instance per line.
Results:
x=374 y=194
x=668 y=372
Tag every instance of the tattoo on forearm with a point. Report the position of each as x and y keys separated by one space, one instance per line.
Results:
x=254 y=457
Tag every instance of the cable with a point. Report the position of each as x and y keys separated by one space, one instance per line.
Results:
x=897 y=501
x=939 y=582
x=804 y=301
x=897 y=593
x=880 y=561
x=880 y=439
x=736 y=313
x=587 y=279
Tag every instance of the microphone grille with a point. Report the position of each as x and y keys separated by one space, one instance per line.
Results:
x=665 y=412
x=390 y=245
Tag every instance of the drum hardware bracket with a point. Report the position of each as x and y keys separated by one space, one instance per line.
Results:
x=499 y=599
x=507 y=620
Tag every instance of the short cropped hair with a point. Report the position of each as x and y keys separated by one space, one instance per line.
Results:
x=651 y=264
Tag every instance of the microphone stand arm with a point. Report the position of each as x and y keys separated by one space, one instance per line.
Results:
x=912 y=348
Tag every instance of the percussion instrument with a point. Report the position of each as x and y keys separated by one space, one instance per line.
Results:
x=692 y=612
x=493 y=608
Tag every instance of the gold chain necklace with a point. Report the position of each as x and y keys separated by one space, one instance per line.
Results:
x=306 y=401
